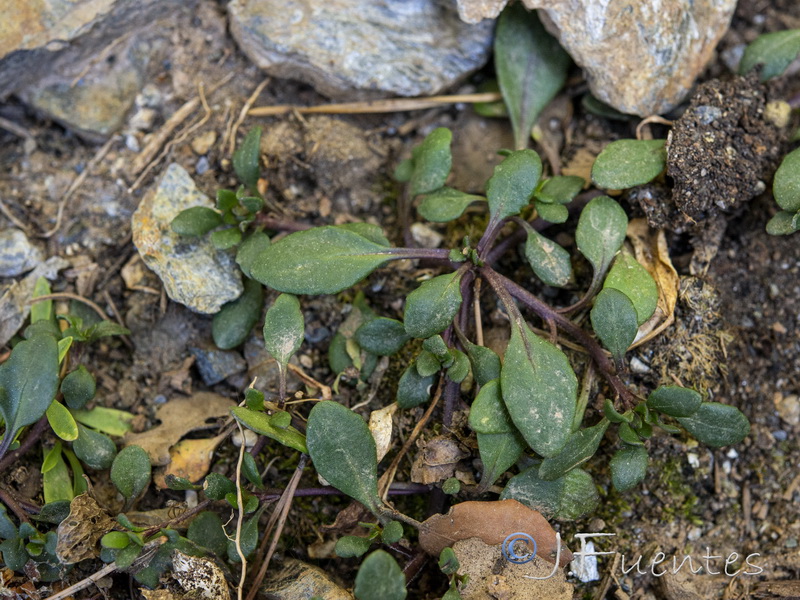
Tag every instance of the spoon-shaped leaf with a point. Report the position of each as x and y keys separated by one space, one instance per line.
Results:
x=433 y=305
x=626 y=163
x=513 y=183
x=284 y=328
x=549 y=261
x=600 y=233
x=614 y=321
x=446 y=204
x=633 y=280
x=774 y=50
x=716 y=424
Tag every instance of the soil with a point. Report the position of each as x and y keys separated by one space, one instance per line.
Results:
x=736 y=336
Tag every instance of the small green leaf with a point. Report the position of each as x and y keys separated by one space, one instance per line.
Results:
x=560 y=189
x=451 y=486
x=614 y=321
x=14 y=555
x=675 y=401
x=628 y=467
x=216 y=486
x=233 y=323
x=488 y=413
x=284 y=328
x=78 y=387
x=261 y=423
x=433 y=305
x=56 y=481
x=64 y=344
x=566 y=499
x=108 y=420
x=225 y=239
x=250 y=471
x=552 y=213
x=62 y=422
x=786 y=185
x=427 y=364
x=459 y=370
x=446 y=204
x=226 y=200
x=612 y=415
x=197 y=220
x=380 y=578
x=351 y=546
x=404 y=171
x=130 y=472
x=633 y=280
x=580 y=447
x=281 y=419
x=594 y=106
x=41 y=311
x=413 y=389
x=498 y=451
x=254 y=399
x=104 y=329
x=116 y=540
x=323 y=260
x=246 y=157
x=448 y=561
x=51 y=457
x=783 y=223
x=600 y=233
x=180 y=484
x=513 y=183
x=392 y=532
x=539 y=389
x=485 y=362
x=775 y=51
x=369 y=231
x=52 y=513
x=250 y=249
x=628 y=435
x=206 y=530
x=252 y=204
x=626 y=163
x=248 y=539
x=436 y=346
x=382 y=336
x=716 y=424
x=28 y=383
x=343 y=451
x=432 y=162
x=531 y=68
x=549 y=261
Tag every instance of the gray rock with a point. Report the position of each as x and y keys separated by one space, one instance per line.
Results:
x=216 y=365
x=17 y=254
x=401 y=47
x=194 y=273
x=639 y=57
x=474 y=11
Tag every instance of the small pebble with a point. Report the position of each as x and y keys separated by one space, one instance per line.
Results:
x=637 y=366
x=425 y=236
x=693 y=459
x=780 y=435
x=203 y=142
x=250 y=438
x=191 y=498
x=202 y=165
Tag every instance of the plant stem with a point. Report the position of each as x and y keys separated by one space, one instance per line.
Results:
x=396 y=489
x=452 y=391
x=15 y=508
x=503 y=285
x=32 y=437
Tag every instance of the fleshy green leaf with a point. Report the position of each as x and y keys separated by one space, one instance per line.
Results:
x=343 y=451
x=392 y=532
x=351 y=546
x=96 y=450
x=614 y=321
x=552 y=213
x=433 y=305
x=783 y=223
x=513 y=183
x=488 y=413
x=248 y=539
x=250 y=249
x=549 y=261
x=531 y=68
x=633 y=280
x=675 y=401
x=446 y=204
x=448 y=561
x=233 y=323
x=612 y=415
x=216 y=486
x=226 y=200
x=600 y=233
x=427 y=364
x=380 y=578
x=382 y=336
x=64 y=344
x=207 y=531
x=485 y=362
x=130 y=471
x=28 y=383
x=626 y=163
x=716 y=424
x=432 y=162
x=261 y=423
x=539 y=389
x=108 y=420
x=580 y=447
x=78 y=387
x=225 y=239
x=56 y=481
x=323 y=260
x=560 y=189
x=197 y=220
x=459 y=370
x=246 y=157
x=116 y=540
x=62 y=422
x=775 y=51
x=786 y=185
x=41 y=311
x=628 y=467
x=404 y=170
x=284 y=328
x=250 y=468
x=499 y=452
x=413 y=389
x=628 y=435
x=567 y=498
x=367 y=230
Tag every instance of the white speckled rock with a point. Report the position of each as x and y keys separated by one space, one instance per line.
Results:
x=380 y=47
x=639 y=57
x=17 y=254
x=194 y=273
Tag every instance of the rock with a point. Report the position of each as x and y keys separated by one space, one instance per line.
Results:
x=425 y=236
x=474 y=11
x=380 y=47
x=17 y=254
x=298 y=581
x=194 y=273
x=203 y=142
x=639 y=57
x=215 y=365
x=788 y=408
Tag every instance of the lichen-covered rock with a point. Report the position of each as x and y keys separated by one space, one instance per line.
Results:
x=402 y=47
x=17 y=254
x=194 y=273
x=639 y=57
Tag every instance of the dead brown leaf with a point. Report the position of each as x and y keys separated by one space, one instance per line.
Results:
x=79 y=533
x=380 y=425
x=190 y=459
x=178 y=417
x=492 y=522
x=436 y=460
